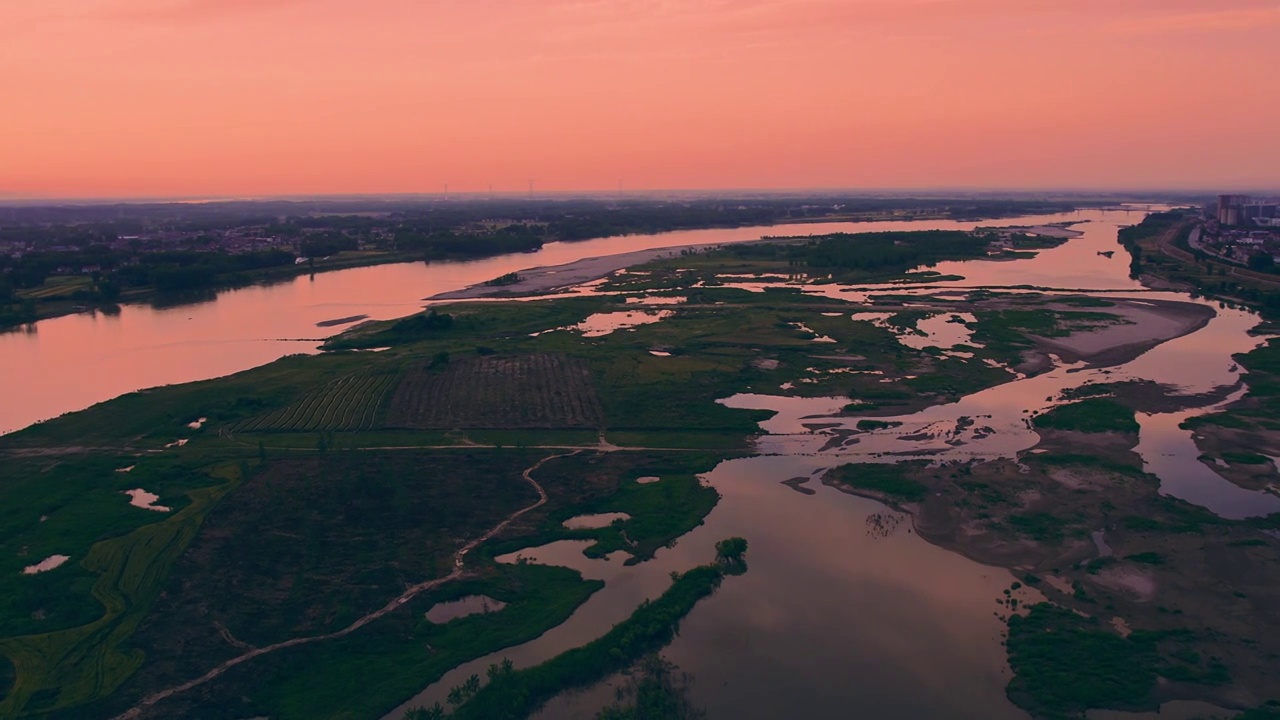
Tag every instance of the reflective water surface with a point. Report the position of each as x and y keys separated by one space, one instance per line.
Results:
x=462 y=607
x=844 y=611
x=839 y=610
x=69 y=363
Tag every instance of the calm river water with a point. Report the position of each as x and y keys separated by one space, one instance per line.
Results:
x=844 y=611
x=69 y=363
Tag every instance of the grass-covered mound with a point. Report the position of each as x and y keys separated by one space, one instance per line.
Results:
x=1093 y=416
x=512 y=694
x=1066 y=663
x=890 y=481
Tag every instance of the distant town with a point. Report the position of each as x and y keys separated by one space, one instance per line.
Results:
x=1241 y=230
x=56 y=259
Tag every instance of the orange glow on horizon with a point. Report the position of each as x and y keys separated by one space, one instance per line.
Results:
x=127 y=98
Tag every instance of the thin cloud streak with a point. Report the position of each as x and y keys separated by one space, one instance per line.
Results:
x=1201 y=22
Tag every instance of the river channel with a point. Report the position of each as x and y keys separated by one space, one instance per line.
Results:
x=68 y=363
x=845 y=612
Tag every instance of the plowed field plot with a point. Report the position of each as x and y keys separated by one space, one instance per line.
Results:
x=346 y=404
x=541 y=390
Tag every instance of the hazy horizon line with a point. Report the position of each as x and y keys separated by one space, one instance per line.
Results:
x=907 y=192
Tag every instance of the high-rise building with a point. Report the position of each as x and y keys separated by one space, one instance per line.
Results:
x=1224 y=206
x=1229 y=209
x=1255 y=210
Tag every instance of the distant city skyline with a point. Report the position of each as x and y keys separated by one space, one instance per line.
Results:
x=231 y=98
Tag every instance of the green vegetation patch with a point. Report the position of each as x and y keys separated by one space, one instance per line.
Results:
x=1245 y=458
x=366 y=674
x=1065 y=664
x=1040 y=526
x=1084 y=301
x=65 y=668
x=1177 y=516
x=535 y=390
x=1226 y=420
x=660 y=512
x=312 y=542
x=862 y=255
x=152 y=418
x=591 y=484
x=514 y=694
x=7 y=676
x=888 y=480
x=1270 y=711
x=1146 y=558
x=352 y=402
x=1093 y=415
x=654 y=692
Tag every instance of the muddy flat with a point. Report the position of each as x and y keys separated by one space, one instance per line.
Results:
x=341 y=321
x=1146 y=323
x=545 y=279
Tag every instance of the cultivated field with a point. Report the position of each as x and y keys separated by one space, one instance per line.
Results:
x=541 y=390
x=347 y=404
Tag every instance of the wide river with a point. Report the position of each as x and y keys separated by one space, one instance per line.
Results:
x=69 y=363
x=844 y=611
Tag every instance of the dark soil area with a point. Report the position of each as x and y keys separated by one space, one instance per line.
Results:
x=308 y=545
x=536 y=390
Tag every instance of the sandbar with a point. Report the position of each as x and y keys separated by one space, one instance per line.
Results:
x=1150 y=322
x=539 y=280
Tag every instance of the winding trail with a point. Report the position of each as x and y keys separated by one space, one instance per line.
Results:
x=404 y=597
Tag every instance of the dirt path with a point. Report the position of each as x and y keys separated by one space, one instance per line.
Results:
x=404 y=597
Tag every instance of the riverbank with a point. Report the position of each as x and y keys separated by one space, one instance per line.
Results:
x=54 y=299
x=1141 y=325
x=424 y=445
x=55 y=308
x=546 y=280
x=1076 y=518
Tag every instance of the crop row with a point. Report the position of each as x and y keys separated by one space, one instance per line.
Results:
x=526 y=391
x=346 y=404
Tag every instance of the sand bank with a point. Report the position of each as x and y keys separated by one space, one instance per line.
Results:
x=539 y=280
x=1053 y=231
x=1149 y=323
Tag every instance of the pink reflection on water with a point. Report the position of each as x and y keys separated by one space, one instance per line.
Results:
x=69 y=363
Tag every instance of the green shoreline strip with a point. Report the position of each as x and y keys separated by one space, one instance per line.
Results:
x=513 y=694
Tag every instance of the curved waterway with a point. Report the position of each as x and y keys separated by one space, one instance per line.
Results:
x=66 y=364
x=844 y=611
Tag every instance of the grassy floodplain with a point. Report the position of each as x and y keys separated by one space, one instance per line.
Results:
x=273 y=475
x=320 y=488
x=511 y=695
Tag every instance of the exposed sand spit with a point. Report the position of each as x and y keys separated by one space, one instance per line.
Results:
x=1129 y=580
x=545 y=279
x=1148 y=323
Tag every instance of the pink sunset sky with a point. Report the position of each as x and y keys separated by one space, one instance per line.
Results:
x=130 y=98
